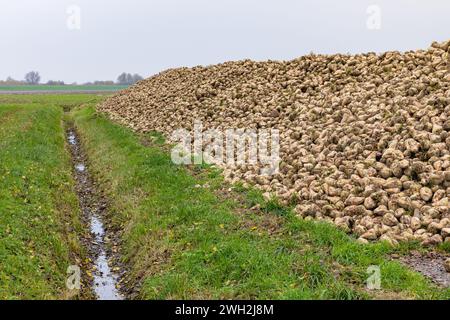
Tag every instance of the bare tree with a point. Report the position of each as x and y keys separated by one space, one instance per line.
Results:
x=128 y=78
x=137 y=78
x=10 y=81
x=55 y=83
x=32 y=77
x=122 y=79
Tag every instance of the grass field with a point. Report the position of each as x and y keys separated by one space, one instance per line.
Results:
x=185 y=234
x=64 y=101
x=38 y=88
x=39 y=223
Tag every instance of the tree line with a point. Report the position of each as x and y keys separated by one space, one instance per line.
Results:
x=34 y=78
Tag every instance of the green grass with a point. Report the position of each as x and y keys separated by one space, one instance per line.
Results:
x=66 y=101
x=182 y=242
x=62 y=88
x=38 y=209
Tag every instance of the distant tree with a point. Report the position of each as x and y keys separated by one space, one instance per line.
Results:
x=11 y=81
x=55 y=83
x=137 y=78
x=104 y=83
x=99 y=83
x=122 y=79
x=32 y=77
x=128 y=79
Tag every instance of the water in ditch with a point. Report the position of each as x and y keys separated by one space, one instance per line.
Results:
x=104 y=282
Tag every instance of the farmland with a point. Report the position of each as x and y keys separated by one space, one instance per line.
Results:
x=59 y=88
x=173 y=232
x=39 y=222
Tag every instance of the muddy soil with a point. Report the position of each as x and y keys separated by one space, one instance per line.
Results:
x=430 y=264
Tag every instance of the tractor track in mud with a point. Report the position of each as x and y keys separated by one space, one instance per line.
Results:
x=102 y=270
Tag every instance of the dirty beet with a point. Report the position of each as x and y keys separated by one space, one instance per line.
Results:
x=104 y=279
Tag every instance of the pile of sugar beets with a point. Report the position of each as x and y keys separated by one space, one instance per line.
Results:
x=364 y=139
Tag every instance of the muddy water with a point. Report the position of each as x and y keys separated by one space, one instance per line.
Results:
x=104 y=283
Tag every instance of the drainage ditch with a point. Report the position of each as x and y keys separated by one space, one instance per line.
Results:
x=104 y=280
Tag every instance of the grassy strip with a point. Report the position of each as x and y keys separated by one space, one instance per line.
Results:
x=66 y=101
x=182 y=240
x=38 y=209
x=67 y=87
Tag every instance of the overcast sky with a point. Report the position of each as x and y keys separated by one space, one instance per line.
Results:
x=147 y=37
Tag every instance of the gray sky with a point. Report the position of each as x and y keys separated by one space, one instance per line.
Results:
x=146 y=37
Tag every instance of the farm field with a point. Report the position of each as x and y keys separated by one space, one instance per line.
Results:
x=171 y=232
x=59 y=88
x=39 y=221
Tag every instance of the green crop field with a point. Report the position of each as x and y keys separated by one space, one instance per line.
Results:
x=69 y=88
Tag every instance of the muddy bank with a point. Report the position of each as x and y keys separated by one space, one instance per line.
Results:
x=102 y=270
x=430 y=264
